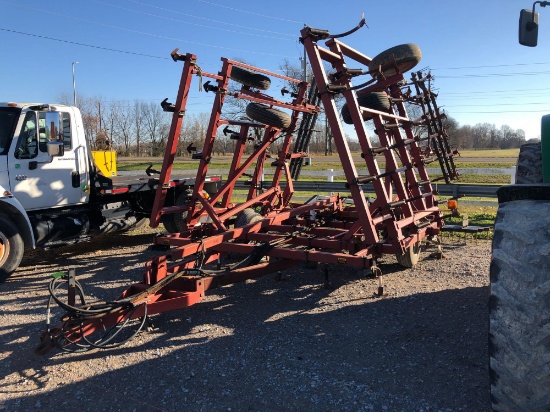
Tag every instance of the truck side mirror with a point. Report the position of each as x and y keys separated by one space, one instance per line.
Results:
x=55 y=148
x=528 y=28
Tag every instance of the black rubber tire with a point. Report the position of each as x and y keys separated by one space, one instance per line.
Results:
x=12 y=247
x=176 y=222
x=376 y=101
x=404 y=56
x=246 y=217
x=519 y=306
x=249 y=78
x=410 y=258
x=262 y=113
x=529 y=165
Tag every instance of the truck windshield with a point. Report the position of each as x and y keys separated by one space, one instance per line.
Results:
x=8 y=121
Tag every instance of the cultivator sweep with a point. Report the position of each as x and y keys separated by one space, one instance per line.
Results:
x=268 y=230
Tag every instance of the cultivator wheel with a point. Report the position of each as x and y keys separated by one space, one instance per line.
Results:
x=410 y=257
x=398 y=59
x=177 y=222
x=375 y=101
x=250 y=79
x=246 y=217
x=268 y=115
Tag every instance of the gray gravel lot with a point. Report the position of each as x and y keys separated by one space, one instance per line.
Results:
x=261 y=345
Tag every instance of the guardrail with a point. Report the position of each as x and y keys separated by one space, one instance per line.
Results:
x=330 y=174
x=457 y=190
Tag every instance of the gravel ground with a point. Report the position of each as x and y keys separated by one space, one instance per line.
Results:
x=261 y=345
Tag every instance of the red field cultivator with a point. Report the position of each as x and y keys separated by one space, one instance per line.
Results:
x=268 y=230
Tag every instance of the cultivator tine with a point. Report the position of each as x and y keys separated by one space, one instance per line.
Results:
x=305 y=131
x=437 y=139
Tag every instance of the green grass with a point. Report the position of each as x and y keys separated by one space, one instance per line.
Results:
x=483 y=165
x=512 y=153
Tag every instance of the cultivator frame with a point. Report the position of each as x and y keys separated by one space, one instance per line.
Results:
x=268 y=228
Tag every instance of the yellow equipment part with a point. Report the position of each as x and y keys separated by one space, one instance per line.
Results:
x=105 y=161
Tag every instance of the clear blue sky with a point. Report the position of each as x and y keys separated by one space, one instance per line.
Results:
x=482 y=73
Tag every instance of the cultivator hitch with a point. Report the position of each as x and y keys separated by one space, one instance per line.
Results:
x=211 y=226
x=319 y=34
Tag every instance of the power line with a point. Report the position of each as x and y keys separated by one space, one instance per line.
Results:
x=212 y=20
x=492 y=105
x=494 y=91
x=465 y=76
x=189 y=23
x=491 y=96
x=249 y=12
x=503 y=111
x=489 y=66
x=517 y=99
x=84 y=44
x=151 y=34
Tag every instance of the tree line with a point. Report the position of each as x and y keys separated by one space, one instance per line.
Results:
x=138 y=128
x=483 y=136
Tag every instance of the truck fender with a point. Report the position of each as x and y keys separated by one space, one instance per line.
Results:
x=11 y=207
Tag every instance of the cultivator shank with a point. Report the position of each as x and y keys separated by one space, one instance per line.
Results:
x=267 y=229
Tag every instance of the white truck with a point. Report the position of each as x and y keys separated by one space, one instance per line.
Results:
x=51 y=192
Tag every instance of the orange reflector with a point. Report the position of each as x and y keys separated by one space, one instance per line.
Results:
x=452 y=204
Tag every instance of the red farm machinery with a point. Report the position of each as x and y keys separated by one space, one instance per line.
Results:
x=268 y=232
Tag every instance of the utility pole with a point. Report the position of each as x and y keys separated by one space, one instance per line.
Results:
x=74 y=85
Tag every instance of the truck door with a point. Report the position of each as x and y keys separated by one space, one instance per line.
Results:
x=38 y=180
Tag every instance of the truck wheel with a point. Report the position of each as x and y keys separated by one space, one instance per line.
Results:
x=529 y=164
x=250 y=79
x=411 y=256
x=176 y=222
x=11 y=248
x=376 y=101
x=262 y=113
x=396 y=59
x=519 y=307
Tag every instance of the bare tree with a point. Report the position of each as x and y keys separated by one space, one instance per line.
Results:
x=155 y=127
x=124 y=126
x=137 y=114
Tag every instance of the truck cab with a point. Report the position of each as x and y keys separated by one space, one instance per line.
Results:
x=37 y=179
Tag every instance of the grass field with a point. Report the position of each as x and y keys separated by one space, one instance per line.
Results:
x=490 y=153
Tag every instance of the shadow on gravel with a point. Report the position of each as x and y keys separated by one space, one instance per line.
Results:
x=66 y=254
x=266 y=345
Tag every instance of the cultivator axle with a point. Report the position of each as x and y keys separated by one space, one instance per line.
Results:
x=267 y=229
